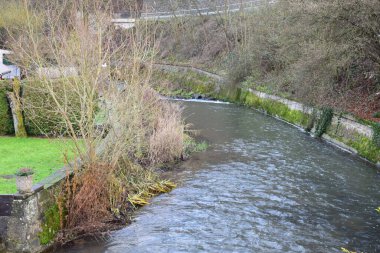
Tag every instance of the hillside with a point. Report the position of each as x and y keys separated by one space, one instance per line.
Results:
x=320 y=53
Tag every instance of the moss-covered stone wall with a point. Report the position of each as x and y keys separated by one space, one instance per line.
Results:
x=28 y=222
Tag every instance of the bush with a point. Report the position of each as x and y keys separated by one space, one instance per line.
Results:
x=376 y=134
x=166 y=143
x=324 y=121
x=42 y=117
x=376 y=115
x=6 y=122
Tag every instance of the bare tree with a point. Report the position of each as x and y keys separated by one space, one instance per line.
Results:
x=101 y=96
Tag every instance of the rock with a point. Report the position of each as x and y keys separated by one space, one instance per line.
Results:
x=198 y=96
x=378 y=165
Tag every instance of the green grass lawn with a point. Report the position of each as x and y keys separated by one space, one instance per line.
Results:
x=41 y=154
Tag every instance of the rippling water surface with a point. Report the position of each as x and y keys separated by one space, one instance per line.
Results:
x=263 y=186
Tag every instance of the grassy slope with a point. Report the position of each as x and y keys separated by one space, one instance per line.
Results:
x=42 y=155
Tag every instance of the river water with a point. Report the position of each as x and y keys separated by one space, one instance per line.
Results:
x=262 y=186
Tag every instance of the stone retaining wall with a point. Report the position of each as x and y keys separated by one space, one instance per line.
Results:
x=344 y=132
x=344 y=120
x=22 y=215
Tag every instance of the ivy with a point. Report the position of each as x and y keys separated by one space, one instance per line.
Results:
x=6 y=121
x=51 y=225
x=324 y=121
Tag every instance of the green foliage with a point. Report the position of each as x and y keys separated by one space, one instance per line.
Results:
x=324 y=121
x=365 y=147
x=344 y=250
x=40 y=113
x=191 y=145
x=275 y=108
x=311 y=121
x=24 y=172
x=42 y=117
x=376 y=134
x=6 y=122
x=376 y=115
x=183 y=83
x=51 y=225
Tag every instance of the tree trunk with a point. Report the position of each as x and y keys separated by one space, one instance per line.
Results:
x=15 y=104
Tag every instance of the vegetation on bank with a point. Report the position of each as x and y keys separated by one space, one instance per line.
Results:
x=51 y=225
x=320 y=53
x=139 y=132
x=185 y=85
x=41 y=154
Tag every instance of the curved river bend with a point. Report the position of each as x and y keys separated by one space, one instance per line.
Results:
x=262 y=186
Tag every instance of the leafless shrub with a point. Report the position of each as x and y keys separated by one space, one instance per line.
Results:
x=167 y=143
x=107 y=109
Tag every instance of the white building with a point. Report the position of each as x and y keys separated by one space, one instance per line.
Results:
x=7 y=69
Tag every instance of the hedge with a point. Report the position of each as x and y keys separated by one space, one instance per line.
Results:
x=40 y=112
x=6 y=122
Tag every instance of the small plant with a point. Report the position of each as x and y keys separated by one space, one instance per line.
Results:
x=376 y=134
x=378 y=209
x=200 y=146
x=191 y=146
x=51 y=225
x=311 y=121
x=24 y=172
x=346 y=250
x=376 y=115
x=324 y=121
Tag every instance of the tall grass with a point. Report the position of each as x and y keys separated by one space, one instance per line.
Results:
x=167 y=141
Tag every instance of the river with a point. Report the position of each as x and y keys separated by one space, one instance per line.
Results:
x=262 y=186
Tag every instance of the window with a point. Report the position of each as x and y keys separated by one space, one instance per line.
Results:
x=6 y=61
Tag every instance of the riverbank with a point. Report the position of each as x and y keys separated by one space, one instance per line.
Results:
x=341 y=130
x=262 y=186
